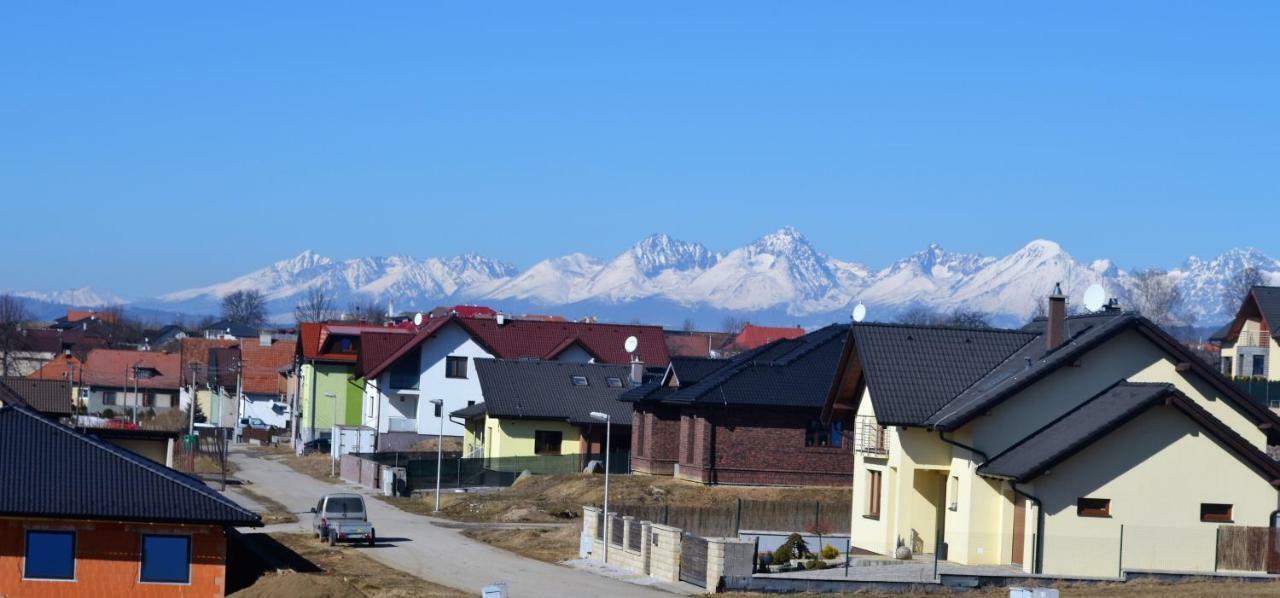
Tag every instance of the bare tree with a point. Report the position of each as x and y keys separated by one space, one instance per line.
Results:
x=688 y=325
x=1155 y=293
x=968 y=318
x=920 y=316
x=13 y=314
x=245 y=307
x=1237 y=287
x=316 y=305
x=365 y=311
x=733 y=325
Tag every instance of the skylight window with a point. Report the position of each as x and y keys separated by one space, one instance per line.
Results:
x=580 y=381
x=613 y=382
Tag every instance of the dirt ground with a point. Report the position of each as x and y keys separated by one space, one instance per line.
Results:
x=346 y=573
x=315 y=465
x=552 y=498
x=1139 y=589
x=551 y=545
x=275 y=512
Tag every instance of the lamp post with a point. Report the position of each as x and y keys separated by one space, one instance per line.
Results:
x=439 y=403
x=333 y=457
x=608 y=430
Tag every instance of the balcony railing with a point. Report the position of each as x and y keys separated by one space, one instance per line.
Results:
x=402 y=424
x=1254 y=339
x=872 y=438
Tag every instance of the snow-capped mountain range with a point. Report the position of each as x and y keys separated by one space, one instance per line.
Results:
x=779 y=278
x=81 y=297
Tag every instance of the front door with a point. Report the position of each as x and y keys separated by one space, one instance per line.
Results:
x=1019 y=528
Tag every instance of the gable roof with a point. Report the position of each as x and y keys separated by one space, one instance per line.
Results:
x=695 y=344
x=113 y=368
x=516 y=338
x=196 y=351
x=912 y=371
x=785 y=373
x=315 y=339
x=376 y=346
x=1104 y=413
x=73 y=475
x=532 y=389
x=752 y=336
x=51 y=397
x=262 y=365
x=691 y=370
x=1265 y=301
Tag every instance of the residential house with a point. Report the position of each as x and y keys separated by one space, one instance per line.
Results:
x=168 y=337
x=228 y=330
x=156 y=445
x=220 y=404
x=130 y=381
x=53 y=398
x=1249 y=342
x=753 y=419
x=93 y=519
x=196 y=376
x=535 y=408
x=1076 y=446
x=327 y=392
x=264 y=388
x=438 y=361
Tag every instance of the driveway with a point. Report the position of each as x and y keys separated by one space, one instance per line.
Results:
x=414 y=544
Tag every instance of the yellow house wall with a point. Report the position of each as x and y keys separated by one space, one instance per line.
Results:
x=1156 y=470
x=871 y=534
x=514 y=437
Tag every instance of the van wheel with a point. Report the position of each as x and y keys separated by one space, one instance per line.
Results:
x=371 y=538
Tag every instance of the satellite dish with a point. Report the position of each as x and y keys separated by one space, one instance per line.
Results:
x=631 y=344
x=1094 y=297
x=859 y=312
x=417 y=319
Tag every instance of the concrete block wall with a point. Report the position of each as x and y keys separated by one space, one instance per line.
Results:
x=728 y=557
x=664 y=552
x=659 y=553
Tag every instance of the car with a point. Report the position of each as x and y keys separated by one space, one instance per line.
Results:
x=341 y=517
x=254 y=423
x=319 y=445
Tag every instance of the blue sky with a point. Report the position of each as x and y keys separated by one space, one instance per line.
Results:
x=149 y=148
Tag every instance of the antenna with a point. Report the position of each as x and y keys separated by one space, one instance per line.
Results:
x=417 y=319
x=859 y=312
x=1094 y=297
x=630 y=344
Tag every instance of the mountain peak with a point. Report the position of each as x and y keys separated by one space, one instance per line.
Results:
x=785 y=240
x=658 y=252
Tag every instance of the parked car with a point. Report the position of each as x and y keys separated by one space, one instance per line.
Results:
x=254 y=423
x=341 y=518
x=319 y=445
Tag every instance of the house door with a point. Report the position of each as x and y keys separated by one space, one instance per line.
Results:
x=1019 y=528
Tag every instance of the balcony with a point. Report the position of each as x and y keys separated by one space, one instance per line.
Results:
x=1254 y=338
x=872 y=438
x=402 y=424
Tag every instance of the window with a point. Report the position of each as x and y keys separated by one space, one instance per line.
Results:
x=613 y=382
x=455 y=367
x=1259 y=365
x=953 y=493
x=344 y=506
x=406 y=372
x=50 y=555
x=1093 y=507
x=873 y=494
x=1215 y=512
x=346 y=345
x=580 y=381
x=166 y=559
x=1226 y=366
x=109 y=397
x=816 y=434
x=546 y=442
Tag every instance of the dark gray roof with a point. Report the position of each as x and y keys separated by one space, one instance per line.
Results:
x=690 y=370
x=64 y=473
x=1102 y=414
x=790 y=373
x=1269 y=304
x=475 y=410
x=533 y=389
x=235 y=329
x=1075 y=429
x=912 y=371
x=51 y=397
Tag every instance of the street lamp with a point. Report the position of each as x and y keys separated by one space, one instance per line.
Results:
x=333 y=456
x=608 y=427
x=439 y=403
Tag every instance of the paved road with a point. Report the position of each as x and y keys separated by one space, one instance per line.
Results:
x=412 y=543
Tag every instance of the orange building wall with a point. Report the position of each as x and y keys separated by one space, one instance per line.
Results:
x=108 y=560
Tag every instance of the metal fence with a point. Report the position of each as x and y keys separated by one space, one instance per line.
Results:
x=821 y=517
x=1266 y=393
x=458 y=472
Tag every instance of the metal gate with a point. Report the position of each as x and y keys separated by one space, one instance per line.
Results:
x=693 y=560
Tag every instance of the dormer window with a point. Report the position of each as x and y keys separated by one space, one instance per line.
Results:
x=346 y=345
x=580 y=381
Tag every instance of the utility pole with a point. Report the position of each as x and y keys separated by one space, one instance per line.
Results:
x=239 y=392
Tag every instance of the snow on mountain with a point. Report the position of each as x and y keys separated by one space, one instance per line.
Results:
x=81 y=297
x=780 y=274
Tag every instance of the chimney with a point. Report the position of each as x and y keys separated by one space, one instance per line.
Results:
x=1056 y=328
x=637 y=370
x=499 y=319
x=264 y=338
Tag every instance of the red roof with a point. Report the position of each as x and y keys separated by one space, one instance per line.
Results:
x=755 y=336
x=376 y=346
x=261 y=365
x=540 y=339
x=57 y=368
x=114 y=368
x=696 y=344
x=318 y=341
x=196 y=350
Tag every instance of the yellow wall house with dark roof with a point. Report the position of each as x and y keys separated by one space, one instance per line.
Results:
x=1083 y=446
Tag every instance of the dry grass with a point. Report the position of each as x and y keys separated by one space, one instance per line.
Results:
x=209 y=464
x=346 y=573
x=1137 y=589
x=275 y=512
x=551 y=498
x=429 y=445
x=551 y=545
x=315 y=465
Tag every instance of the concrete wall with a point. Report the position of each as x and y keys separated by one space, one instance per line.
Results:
x=659 y=553
x=319 y=380
x=515 y=437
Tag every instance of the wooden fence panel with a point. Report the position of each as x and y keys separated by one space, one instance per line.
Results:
x=1243 y=548
x=725 y=520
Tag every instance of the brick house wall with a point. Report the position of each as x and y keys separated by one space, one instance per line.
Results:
x=108 y=560
x=658 y=451
x=759 y=446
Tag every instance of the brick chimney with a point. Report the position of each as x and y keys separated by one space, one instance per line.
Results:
x=1055 y=330
x=637 y=370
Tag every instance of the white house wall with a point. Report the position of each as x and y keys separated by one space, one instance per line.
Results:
x=451 y=340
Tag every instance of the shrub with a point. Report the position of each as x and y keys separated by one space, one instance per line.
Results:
x=830 y=552
x=793 y=548
x=815 y=564
x=108 y=414
x=763 y=560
